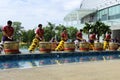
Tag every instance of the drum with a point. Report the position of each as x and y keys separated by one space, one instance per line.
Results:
x=69 y=46
x=98 y=46
x=84 y=46
x=113 y=46
x=53 y=45
x=44 y=47
x=11 y=47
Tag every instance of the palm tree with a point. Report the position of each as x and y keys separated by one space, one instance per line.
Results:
x=105 y=28
x=98 y=28
x=18 y=28
x=49 y=31
x=87 y=28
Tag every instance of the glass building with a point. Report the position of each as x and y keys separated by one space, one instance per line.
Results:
x=107 y=11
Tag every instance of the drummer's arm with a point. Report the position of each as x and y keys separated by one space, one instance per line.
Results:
x=37 y=36
x=5 y=34
x=79 y=38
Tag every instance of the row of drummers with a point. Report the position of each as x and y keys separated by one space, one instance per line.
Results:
x=71 y=47
x=92 y=44
x=11 y=47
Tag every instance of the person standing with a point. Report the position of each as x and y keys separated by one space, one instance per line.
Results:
x=8 y=32
x=107 y=40
x=39 y=33
x=92 y=38
x=79 y=35
x=64 y=38
x=64 y=35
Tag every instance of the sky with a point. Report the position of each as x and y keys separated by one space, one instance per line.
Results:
x=33 y=12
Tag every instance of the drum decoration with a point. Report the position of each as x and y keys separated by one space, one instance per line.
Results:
x=44 y=47
x=69 y=46
x=11 y=47
x=84 y=46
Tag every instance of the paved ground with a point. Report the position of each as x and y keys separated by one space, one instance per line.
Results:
x=101 y=70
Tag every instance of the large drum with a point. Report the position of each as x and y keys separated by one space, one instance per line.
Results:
x=113 y=46
x=98 y=46
x=84 y=46
x=11 y=47
x=69 y=46
x=53 y=45
x=44 y=47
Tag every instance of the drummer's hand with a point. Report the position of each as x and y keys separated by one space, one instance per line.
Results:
x=10 y=38
x=41 y=39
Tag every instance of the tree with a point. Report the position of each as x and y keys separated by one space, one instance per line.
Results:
x=30 y=35
x=87 y=28
x=59 y=28
x=49 y=31
x=72 y=32
x=98 y=28
x=17 y=30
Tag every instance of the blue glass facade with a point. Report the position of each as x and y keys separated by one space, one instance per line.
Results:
x=109 y=13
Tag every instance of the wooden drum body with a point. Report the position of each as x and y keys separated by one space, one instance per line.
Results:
x=69 y=46
x=84 y=46
x=44 y=47
x=113 y=46
x=11 y=47
x=53 y=45
x=98 y=46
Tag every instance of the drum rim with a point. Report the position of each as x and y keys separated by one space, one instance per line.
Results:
x=11 y=42
x=44 y=42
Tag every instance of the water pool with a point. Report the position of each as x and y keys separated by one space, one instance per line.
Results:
x=37 y=60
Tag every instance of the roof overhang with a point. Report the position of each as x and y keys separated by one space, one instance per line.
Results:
x=115 y=27
x=77 y=14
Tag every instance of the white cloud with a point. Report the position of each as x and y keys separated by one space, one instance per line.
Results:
x=33 y=12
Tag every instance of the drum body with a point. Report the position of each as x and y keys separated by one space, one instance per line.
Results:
x=53 y=45
x=11 y=47
x=113 y=46
x=69 y=46
x=84 y=46
x=44 y=47
x=98 y=46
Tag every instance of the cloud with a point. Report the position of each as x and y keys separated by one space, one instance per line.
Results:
x=33 y=12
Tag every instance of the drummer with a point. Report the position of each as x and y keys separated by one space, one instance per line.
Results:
x=8 y=32
x=107 y=40
x=64 y=38
x=64 y=35
x=79 y=35
x=39 y=36
x=92 y=38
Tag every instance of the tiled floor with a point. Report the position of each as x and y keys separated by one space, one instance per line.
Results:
x=98 y=70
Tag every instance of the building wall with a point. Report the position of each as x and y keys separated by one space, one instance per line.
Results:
x=109 y=13
x=116 y=34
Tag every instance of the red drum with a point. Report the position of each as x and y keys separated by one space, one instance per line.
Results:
x=53 y=45
x=113 y=46
x=84 y=46
x=69 y=46
x=98 y=46
x=11 y=47
x=44 y=47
